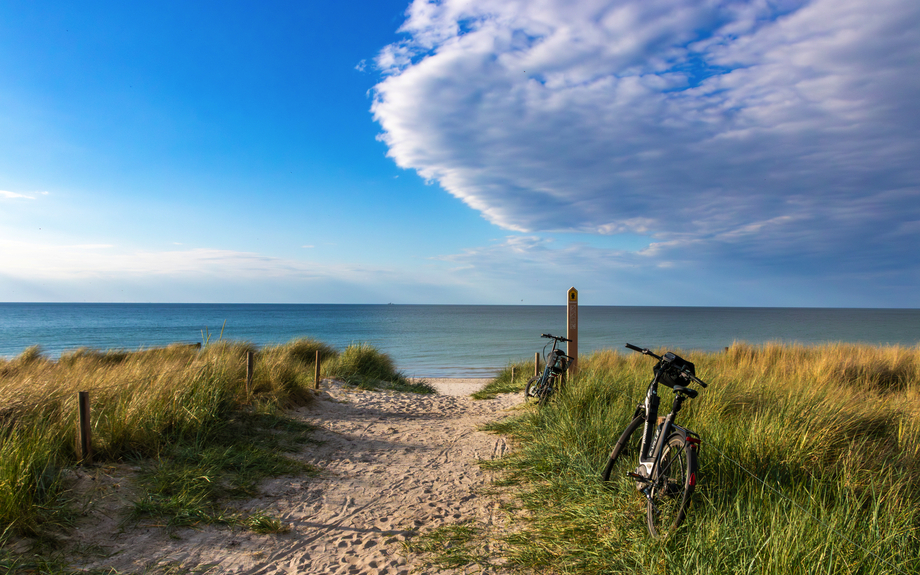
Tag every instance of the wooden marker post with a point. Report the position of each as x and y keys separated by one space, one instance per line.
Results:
x=84 y=429
x=571 y=329
x=250 y=366
x=316 y=372
x=536 y=364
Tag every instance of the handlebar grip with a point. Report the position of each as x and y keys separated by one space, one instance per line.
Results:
x=693 y=378
x=698 y=380
x=556 y=337
x=643 y=351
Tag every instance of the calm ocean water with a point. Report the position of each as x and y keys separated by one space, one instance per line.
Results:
x=440 y=340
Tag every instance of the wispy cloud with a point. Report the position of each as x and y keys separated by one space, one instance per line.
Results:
x=64 y=272
x=782 y=135
x=68 y=261
x=676 y=272
x=13 y=195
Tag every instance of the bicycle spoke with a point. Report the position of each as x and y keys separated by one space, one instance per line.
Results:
x=671 y=488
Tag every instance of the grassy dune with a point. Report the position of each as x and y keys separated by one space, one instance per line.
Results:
x=833 y=430
x=185 y=413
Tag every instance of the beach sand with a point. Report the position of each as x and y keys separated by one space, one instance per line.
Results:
x=393 y=466
x=457 y=387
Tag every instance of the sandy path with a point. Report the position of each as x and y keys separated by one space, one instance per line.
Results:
x=394 y=464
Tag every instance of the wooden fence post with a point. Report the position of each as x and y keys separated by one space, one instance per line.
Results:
x=512 y=374
x=250 y=366
x=84 y=429
x=316 y=374
x=536 y=364
x=571 y=329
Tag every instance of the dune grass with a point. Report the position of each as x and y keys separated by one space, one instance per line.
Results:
x=363 y=366
x=511 y=379
x=199 y=432
x=834 y=431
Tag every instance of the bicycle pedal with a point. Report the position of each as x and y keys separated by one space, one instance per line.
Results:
x=638 y=477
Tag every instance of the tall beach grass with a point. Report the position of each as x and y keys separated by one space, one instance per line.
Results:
x=832 y=431
x=147 y=404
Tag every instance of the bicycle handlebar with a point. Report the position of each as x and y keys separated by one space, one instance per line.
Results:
x=643 y=350
x=686 y=374
x=556 y=337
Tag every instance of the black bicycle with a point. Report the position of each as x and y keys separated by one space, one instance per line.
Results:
x=541 y=387
x=661 y=459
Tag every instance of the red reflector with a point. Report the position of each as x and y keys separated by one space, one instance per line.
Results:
x=693 y=440
x=692 y=481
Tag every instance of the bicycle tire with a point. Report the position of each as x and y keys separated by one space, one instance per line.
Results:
x=538 y=390
x=530 y=388
x=672 y=487
x=549 y=389
x=624 y=457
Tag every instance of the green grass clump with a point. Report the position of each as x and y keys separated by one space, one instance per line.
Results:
x=17 y=564
x=288 y=370
x=504 y=383
x=834 y=431
x=450 y=546
x=365 y=367
x=260 y=522
x=190 y=481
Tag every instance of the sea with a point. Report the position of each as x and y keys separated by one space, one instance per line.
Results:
x=440 y=340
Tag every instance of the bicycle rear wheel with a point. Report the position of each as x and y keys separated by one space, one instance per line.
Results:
x=547 y=390
x=672 y=487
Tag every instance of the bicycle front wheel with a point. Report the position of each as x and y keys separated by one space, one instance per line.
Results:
x=624 y=458
x=672 y=487
x=530 y=392
x=539 y=390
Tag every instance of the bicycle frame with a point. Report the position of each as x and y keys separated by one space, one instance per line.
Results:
x=654 y=435
x=652 y=444
x=556 y=364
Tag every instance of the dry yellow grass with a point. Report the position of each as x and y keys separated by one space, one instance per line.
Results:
x=139 y=401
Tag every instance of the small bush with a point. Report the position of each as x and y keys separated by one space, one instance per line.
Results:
x=363 y=361
x=364 y=366
x=304 y=351
x=504 y=383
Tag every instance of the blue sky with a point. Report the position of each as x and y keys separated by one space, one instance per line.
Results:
x=669 y=152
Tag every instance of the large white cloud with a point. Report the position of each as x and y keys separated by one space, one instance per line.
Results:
x=770 y=131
